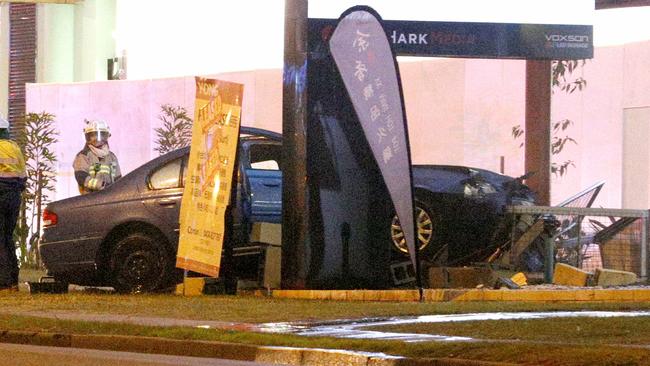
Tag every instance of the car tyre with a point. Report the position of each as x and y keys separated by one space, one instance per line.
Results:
x=139 y=262
x=428 y=223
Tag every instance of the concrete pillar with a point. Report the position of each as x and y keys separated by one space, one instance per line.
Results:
x=94 y=24
x=538 y=129
x=4 y=58
x=55 y=57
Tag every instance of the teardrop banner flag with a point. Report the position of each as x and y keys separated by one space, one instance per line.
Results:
x=368 y=69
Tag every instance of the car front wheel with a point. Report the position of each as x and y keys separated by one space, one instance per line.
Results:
x=139 y=263
x=427 y=223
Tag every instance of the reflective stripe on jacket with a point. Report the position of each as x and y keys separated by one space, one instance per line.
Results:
x=12 y=162
x=89 y=166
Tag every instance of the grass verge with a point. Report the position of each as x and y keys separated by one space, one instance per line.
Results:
x=260 y=310
x=615 y=330
x=566 y=353
x=612 y=341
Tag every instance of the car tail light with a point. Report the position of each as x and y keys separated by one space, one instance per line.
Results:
x=49 y=218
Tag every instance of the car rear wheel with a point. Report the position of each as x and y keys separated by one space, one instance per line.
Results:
x=139 y=263
x=427 y=224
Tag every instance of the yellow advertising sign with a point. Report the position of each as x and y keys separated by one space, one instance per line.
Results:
x=215 y=134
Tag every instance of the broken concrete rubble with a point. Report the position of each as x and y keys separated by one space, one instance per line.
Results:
x=473 y=277
x=520 y=279
x=460 y=277
x=565 y=274
x=611 y=277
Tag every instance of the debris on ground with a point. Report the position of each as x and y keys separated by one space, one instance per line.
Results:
x=460 y=277
x=520 y=279
x=506 y=282
x=565 y=274
x=611 y=277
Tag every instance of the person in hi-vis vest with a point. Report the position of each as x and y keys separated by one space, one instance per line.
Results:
x=95 y=166
x=12 y=184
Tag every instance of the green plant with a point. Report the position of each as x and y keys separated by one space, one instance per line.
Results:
x=561 y=72
x=36 y=140
x=176 y=131
x=560 y=69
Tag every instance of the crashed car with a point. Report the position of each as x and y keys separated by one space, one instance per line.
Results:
x=460 y=213
x=126 y=235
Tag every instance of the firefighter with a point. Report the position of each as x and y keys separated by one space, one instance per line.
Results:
x=96 y=167
x=12 y=184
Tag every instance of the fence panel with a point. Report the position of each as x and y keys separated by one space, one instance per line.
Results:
x=587 y=238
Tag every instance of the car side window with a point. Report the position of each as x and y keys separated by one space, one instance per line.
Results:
x=167 y=176
x=185 y=160
x=266 y=156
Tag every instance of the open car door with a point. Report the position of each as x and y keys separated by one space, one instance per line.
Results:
x=262 y=180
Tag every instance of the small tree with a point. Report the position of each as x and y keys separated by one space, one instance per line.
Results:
x=176 y=131
x=36 y=140
x=560 y=72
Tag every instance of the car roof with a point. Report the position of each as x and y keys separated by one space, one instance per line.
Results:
x=259 y=132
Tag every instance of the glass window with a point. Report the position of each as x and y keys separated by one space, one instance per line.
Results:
x=166 y=176
x=266 y=156
x=185 y=169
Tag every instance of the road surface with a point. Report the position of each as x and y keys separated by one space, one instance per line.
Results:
x=25 y=355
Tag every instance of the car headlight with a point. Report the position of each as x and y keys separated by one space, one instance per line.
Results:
x=478 y=189
x=522 y=202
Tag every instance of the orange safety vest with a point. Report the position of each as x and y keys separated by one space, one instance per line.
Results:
x=12 y=162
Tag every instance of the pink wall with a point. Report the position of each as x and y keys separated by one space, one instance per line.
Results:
x=617 y=78
x=433 y=93
x=494 y=104
x=132 y=109
x=460 y=111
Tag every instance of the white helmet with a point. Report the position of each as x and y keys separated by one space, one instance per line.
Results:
x=96 y=131
x=4 y=123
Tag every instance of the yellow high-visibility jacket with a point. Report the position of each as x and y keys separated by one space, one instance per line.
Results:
x=12 y=161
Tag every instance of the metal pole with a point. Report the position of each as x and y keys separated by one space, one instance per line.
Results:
x=644 y=248
x=294 y=123
x=578 y=243
x=549 y=263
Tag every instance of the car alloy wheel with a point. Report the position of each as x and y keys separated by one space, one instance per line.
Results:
x=425 y=227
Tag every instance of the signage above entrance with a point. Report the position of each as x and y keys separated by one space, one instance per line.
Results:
x=477 y=40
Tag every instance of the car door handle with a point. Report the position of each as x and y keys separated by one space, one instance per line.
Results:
x=271 y=184
x=166 y=202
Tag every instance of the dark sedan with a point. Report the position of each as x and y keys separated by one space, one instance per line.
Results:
x=126 y=235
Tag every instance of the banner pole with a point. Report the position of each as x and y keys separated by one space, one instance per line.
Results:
x=184 y=277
